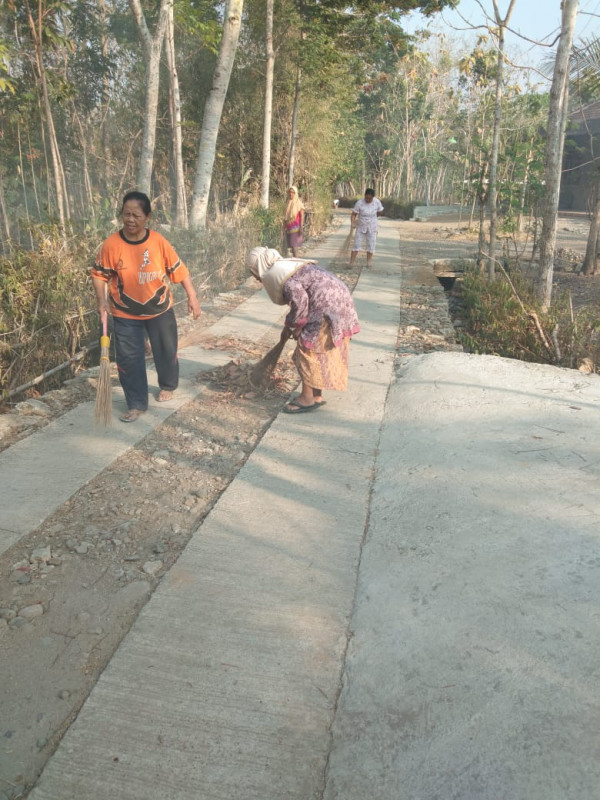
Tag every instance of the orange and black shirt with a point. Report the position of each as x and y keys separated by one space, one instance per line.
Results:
x=138 y=274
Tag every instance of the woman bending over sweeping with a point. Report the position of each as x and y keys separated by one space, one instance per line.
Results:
x=137 y=265
x=322 y=319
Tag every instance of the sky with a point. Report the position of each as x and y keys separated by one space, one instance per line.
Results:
x=535 y=19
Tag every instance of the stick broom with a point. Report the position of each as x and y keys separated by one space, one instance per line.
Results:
x=262 y=371
x=103 y=405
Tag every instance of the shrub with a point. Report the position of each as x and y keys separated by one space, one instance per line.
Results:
x=504 y=317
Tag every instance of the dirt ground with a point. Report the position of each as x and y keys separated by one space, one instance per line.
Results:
x=84 y=574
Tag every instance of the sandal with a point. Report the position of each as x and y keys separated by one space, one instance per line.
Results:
x=164 y=396
x=296 y=408
x=131 y=415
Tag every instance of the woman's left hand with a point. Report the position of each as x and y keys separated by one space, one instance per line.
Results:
x=194 y=306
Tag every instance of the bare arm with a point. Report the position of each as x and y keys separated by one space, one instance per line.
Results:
x=101 y=289
x=193 y=302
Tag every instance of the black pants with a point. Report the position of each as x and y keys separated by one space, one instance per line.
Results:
x=130 y=352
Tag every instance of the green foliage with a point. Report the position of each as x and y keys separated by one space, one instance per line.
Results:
x=269 y=226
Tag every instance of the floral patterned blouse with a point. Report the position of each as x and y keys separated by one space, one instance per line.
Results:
x=314 y=294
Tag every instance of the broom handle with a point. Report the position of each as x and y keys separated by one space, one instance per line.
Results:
x=105 y=323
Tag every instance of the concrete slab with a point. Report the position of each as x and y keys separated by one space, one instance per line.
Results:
x=227 y=684
x=473 y=663
x=251 y=318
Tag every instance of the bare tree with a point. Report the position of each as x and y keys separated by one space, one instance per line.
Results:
x=212 y=112
x=36 y=26
x=590 y=262
x=557 y=119
x=585 y=73
x=501 y=22
x=181 y=216
x=294 y=132
x=152 y=49
x=268 y=116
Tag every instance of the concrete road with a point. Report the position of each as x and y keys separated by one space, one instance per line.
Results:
x=397 y=598
x=473 y=666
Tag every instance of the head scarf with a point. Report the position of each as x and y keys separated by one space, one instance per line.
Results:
x=294 y=206
x=269 y=266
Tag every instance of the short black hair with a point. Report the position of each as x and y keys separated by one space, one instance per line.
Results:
x=142 y=198
x=371 y=192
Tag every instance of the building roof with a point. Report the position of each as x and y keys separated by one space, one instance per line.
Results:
x=587 y=116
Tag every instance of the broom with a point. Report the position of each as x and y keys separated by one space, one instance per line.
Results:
x=103 y=405
x=263 y=370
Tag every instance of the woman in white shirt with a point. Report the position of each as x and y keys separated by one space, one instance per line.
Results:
x=364 y=216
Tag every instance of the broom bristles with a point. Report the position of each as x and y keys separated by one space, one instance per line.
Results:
x=267 y=364
x=103 y=405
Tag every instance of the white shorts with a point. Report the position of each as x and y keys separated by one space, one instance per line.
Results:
x=365 y=241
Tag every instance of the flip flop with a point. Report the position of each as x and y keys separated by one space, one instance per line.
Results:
x=294 y=408
x=293 y=399
x=131 y=415
x=160 y=396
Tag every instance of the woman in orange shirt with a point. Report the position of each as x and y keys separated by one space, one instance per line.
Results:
x=132 y=277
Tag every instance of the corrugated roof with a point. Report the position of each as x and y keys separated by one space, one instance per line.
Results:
x=585 y=114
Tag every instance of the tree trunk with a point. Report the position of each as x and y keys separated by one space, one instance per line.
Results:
x=481 y=237
x=152 y=48
x=590 y=262
x=557 y=118
x=294 y=135
x=268 y=116
x=181 y=215
x=105 y=102
x=59 y=182
x=24 y=185
x=213 y=111
x=493 y=188
x=4 y=215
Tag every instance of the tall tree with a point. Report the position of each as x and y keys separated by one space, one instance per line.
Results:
x=152 y=49
x=557 y=119
x=40 y=27
x=294 y=131
x=213 y=110
x=501 y=23
x=268 y=115
x=181 y=216
x=585 y=73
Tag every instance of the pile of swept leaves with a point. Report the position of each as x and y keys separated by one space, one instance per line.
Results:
x=240 y=376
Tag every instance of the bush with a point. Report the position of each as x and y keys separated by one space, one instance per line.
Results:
x=45 y=303
x=505 y=318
